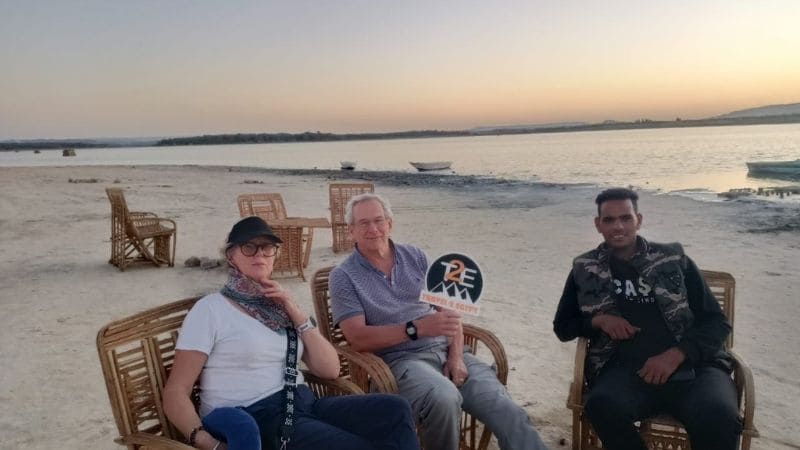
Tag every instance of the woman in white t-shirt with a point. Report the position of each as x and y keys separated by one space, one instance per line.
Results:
x=235 y=341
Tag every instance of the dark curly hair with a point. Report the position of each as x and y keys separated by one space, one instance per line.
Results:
x=617 y=194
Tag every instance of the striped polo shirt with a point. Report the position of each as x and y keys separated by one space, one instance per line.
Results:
x=359 y=288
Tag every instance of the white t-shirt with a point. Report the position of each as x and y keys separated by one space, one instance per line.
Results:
x=246 y=360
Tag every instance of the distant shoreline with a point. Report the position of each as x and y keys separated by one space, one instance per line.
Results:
x=270 y=138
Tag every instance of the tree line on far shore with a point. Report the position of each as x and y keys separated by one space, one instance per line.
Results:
x=308 y=136
x=267 y=138
x=49 y=144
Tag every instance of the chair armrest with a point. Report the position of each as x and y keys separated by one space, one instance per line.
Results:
x=474 y=334
x=162 y=220
x=141 y=214
x=151 y=441
x=575 y=398
x=329 y=388
x=366 y=368
x=152 y=224
x=745 y=388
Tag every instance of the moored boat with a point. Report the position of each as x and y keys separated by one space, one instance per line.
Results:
x=432 y=165
x=348 y=165
x=775 y=167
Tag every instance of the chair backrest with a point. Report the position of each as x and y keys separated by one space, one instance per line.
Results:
x=339 y=194
x=119 y=213
x=322 y=308
x=136 y=355
x=291 y=255
x=268 y=205
x=723 y=286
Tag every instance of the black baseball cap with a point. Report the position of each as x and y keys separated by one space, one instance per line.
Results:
x=250 y=228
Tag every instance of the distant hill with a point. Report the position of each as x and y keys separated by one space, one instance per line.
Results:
x=763 y=111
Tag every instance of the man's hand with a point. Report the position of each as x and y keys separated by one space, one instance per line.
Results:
x=443 y=323
x=657 y=369
x=456 y=370
x=616 y=327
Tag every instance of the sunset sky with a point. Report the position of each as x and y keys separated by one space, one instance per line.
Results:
x=73 y=69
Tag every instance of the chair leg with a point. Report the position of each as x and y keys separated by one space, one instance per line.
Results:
x=486 y=436
x=308 y=237
x=576 y=431
x=745 y=444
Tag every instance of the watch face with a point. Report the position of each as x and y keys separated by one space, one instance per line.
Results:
x=411 y=329
x=312 y=320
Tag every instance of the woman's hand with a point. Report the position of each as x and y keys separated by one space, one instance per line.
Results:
x=205 y=441
x=274 y=291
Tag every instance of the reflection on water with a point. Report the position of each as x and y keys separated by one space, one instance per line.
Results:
x=697 y=159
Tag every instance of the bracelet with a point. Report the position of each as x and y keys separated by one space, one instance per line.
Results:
x=193 y=435
x=215 y=447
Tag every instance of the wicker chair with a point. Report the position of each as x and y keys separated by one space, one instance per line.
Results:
x=369 y=371
x=664 y=432
x=290 y=257
x=139 y=236
x=270 y=206
x=340 y=194
x=136 y=355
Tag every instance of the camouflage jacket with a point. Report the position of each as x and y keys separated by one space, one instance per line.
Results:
x=661 y=265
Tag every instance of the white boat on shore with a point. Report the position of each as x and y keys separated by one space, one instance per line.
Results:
x=348 y=165
x=432 y=165
x=791 y=168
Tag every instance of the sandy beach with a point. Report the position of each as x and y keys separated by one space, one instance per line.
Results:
x=58 y=288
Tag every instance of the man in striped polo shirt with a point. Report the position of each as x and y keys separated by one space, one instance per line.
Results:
x=375 y=301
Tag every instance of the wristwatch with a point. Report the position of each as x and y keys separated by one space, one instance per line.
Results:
x=411 y=330
x=309 y=324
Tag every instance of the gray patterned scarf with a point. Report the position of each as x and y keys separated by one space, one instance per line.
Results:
x=245 y=292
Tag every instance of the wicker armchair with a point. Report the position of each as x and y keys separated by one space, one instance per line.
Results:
x=270 y=206
x=369 y=371
x=136 y=355
x=664 y=432
x=266 y=205
x=339 y=195
x=139 y=236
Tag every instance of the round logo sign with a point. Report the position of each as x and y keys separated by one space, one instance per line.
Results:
x=456 y=276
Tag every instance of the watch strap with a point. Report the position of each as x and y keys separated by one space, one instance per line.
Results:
x=309 y=324
x=411 y=330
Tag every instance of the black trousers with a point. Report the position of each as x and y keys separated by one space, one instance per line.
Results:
x=706 y=406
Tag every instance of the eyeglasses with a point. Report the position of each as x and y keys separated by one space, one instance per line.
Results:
x=249 y=249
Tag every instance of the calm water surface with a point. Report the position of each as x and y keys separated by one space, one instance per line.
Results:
x=698 y=160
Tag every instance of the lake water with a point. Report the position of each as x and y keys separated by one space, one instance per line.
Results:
x=693 y=161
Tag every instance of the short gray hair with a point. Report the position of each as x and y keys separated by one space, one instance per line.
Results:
x=361 y=198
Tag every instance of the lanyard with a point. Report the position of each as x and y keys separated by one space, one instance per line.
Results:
x=289 y=386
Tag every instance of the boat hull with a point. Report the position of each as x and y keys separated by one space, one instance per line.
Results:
x=776 y=167
x=433 y=165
